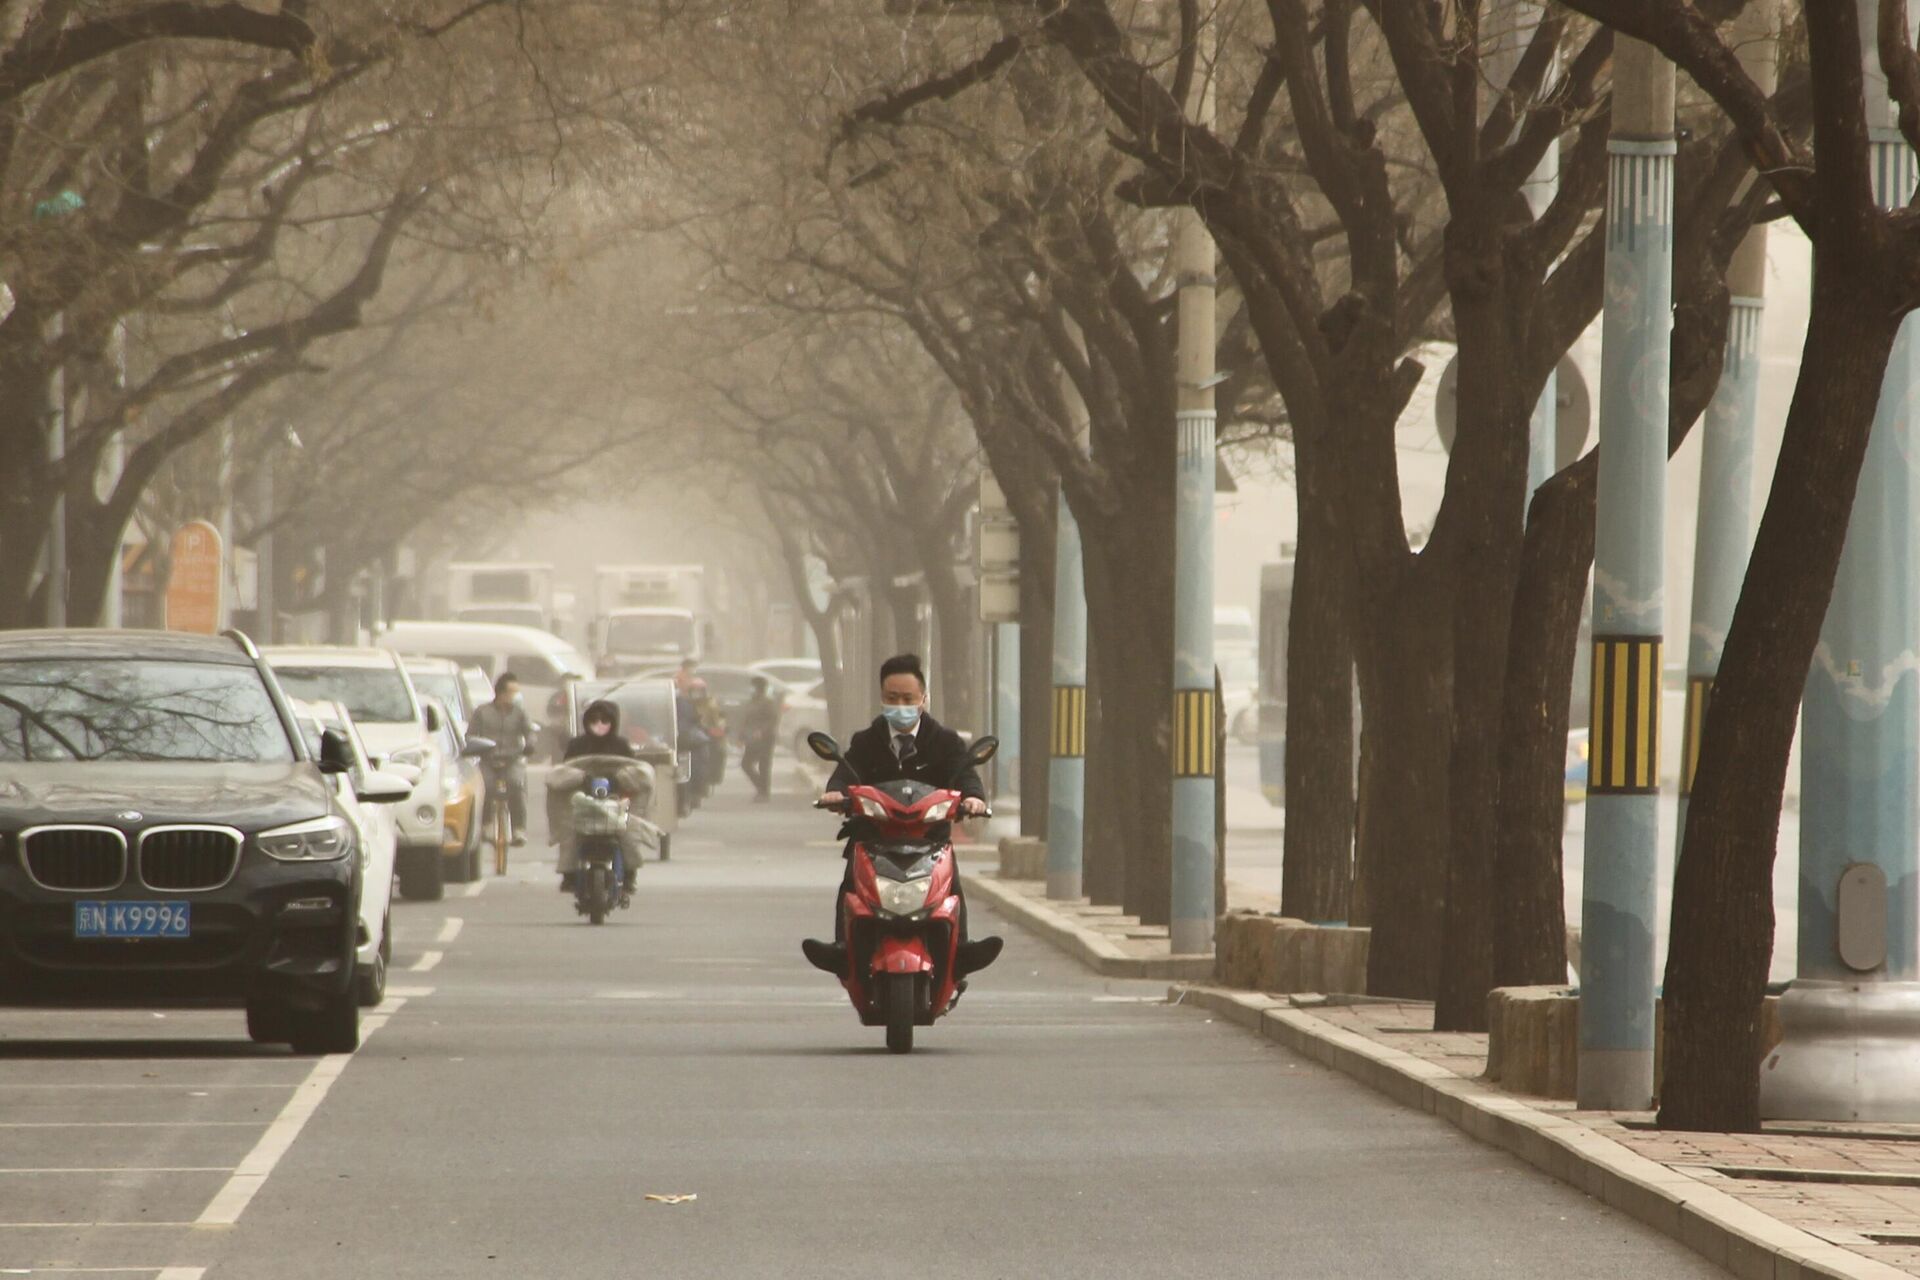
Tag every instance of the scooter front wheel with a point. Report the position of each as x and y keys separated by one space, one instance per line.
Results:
x=898 y=995
x=599 y=895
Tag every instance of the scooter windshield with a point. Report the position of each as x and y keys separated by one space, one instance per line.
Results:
x=902 y=859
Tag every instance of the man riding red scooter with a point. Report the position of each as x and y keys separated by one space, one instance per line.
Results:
x=901 y=946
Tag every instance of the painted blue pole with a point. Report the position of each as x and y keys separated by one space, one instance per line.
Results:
x=1190 y=926
x=1618 y=899
x=1067 y=746
x=1851 y=1019
x=1006 y=710
x=1723 y=530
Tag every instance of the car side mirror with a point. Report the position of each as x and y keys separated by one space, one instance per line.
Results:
x=983 y=749
x=382 y=787
x=336 y=753
x=477 y=746
x=433 y=718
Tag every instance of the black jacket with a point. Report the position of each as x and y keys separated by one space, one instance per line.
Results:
x=611 y=743
x=939 y=759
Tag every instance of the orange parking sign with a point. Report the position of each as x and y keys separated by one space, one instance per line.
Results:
x=193 y=586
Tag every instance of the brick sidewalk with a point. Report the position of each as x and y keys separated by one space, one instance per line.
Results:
x=1856 y=1186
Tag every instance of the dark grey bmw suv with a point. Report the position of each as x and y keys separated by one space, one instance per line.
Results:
x=168 y=837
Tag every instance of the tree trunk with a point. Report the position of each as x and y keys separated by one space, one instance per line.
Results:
x=1129 y=578
x=1103 y=875
x=956 y=626
x=1316 y=872
x=1530 y=929
x=1404 y=647
x=1478 y=534
x=1036 y=678
x=1723 y=886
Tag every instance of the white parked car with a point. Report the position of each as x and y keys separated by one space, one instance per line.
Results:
x=804 y=712
x=397 y=727
x=442 y=680
x=795 y=673
x=1239 y=668
x=378 y=839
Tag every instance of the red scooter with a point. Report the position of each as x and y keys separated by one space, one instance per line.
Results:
x=902 y=961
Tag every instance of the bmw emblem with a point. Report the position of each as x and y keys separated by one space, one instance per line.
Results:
x=129 y=815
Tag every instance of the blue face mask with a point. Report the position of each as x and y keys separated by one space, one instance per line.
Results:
x=901 y=718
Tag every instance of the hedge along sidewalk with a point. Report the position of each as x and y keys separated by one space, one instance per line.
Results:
x=1765 y=1206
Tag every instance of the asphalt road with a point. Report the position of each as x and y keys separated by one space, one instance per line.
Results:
x=533 y=1078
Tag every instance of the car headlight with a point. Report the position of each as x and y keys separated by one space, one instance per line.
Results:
x=872 y=808
x=940 y=811
x=315 y=840
x=903 y=897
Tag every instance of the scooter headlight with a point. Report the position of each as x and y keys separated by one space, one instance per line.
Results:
x=903 y=897
x=940 y=811
x=872 y=808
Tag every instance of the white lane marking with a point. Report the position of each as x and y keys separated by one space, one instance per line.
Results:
x=143 y=1085
x=232 y=1198
x=1130 y=999
x=426 y=962
x=408 y=993
x=69 y=1226
x=159 y=1273
x=220 y=1168
x=449 y=929
x=131 y=1124
x=477 y=888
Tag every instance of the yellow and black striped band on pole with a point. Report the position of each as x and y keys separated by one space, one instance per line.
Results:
x=1069 y=720
x=1193 y=722
x=1699 y=694
x=1624 y=749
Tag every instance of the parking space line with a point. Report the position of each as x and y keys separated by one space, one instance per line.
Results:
x=449 y=929
x=232 y=1199
x=475 y=889
x=426 y=962
x=182 y=1273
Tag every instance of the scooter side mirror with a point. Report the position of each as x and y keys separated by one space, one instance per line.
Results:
x=823 y=746
x=983 y=749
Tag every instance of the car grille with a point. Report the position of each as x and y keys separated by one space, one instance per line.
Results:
x=183 y=859
x=78 y=859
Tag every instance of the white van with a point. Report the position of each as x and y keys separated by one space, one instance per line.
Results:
x=543 y=661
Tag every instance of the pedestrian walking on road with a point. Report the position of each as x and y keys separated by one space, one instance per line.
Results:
x=759 y=723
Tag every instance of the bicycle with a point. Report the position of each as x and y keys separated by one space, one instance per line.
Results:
x=499 y=800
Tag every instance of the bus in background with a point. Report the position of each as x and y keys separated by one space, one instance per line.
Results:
x=1276 y=602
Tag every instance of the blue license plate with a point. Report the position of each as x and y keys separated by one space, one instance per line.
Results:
x=132 y=919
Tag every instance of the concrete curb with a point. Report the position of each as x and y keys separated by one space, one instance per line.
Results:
x=1084 y=945
x=1722 y=1229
